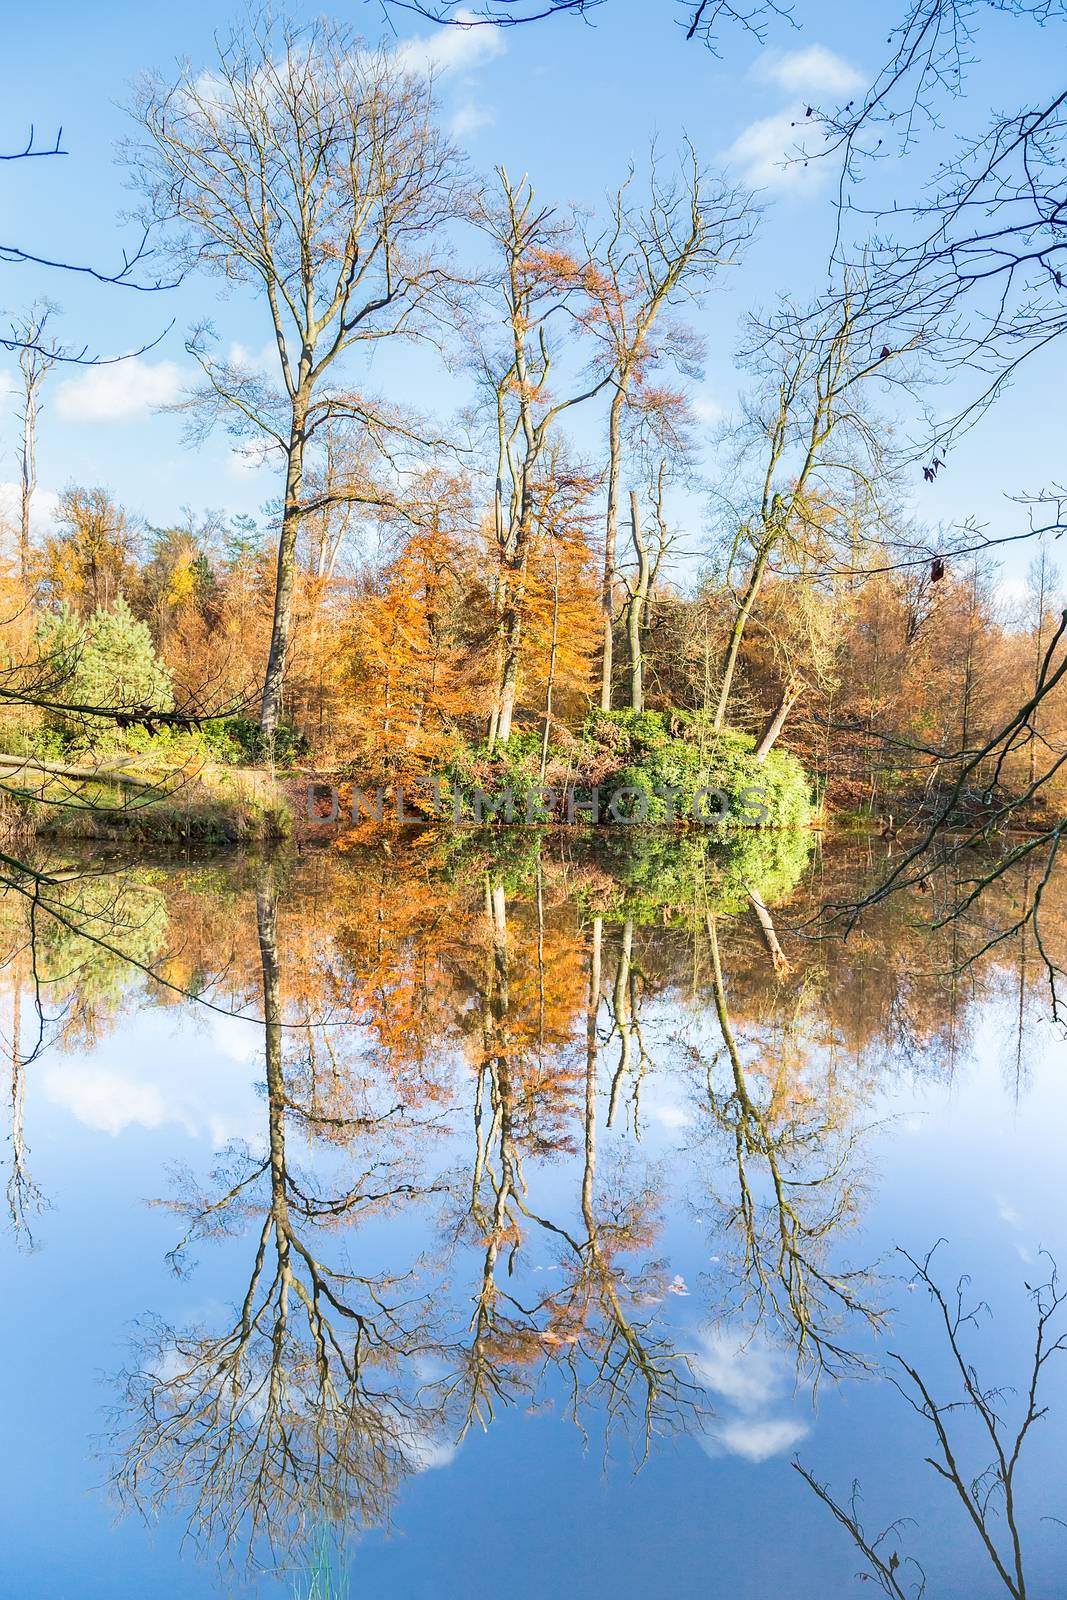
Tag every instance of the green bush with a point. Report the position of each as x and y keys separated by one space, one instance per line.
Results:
x=660 y=751
x=515 y=767
x=106 y=660
x=663 y=759
x=238 y=741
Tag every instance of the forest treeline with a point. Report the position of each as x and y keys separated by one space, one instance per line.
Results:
x=486 y=582
x=888 y=674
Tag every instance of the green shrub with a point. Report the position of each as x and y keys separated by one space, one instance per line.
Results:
x=663 y=759
x=661 y=751
x=515 y=767
x=107 y=660
x=238 y=740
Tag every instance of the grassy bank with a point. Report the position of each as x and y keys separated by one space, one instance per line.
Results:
x=141 y=803
x=652 y=769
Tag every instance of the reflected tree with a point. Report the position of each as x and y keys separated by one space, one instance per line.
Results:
x=595 y=1328
x=308 y=1405
x=989 y=1496
x=796 y=1193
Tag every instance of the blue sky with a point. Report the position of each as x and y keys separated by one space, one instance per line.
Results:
x=571 y=104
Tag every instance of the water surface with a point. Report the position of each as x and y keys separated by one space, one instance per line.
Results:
x=414 y=1216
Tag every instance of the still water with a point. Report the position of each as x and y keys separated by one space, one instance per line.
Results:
x=419 y=1217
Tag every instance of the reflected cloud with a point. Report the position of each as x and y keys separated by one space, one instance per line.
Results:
x=753 y=1378
x=749 y=1375
x=758 y=1441
x=425 y=1452
x=168 y=1086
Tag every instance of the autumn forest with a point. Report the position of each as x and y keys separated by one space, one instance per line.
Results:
x=533 y=762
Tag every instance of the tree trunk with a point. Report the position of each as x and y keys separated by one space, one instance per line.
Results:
x=552 y=651
x=779 y=959
x=267 y=928
x=790 y=695
x=621 y=996
x=285 y=579
x=592 y=1007
x=611 y=533
x=511 y=639
x=509 y=679
x=11 y=766
x=636 y=614
x=744 y=611
x=29 y=478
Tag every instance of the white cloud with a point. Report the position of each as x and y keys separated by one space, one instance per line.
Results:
x=707 y=411
x=118 y=392
x=237 y=1038
x=769 y=153
x=771 y=150
x=813 y=71
x=109 y=1100
x=425 y=1451
x=669 y=1115
x=469 y=118
x=265 y=359
x=449 y=49
x=753 y=1378
x=244 y=461
x=759 y=1440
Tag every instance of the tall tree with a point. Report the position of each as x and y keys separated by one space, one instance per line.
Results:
x=309 y=167
x=89 y=560
x=37 y=354
x=653 y=257
x=820 y=475
x=539 y=277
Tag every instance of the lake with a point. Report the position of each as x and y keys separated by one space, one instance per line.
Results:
x=434 y=1211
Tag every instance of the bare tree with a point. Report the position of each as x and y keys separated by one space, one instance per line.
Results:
x=539 y=279
x=820 y=465
x=309 y=1404
x=649 y=553
x=808 y=1170
x=37 y=354
x=654 y=257
x=594 y=1325
x=309 y=167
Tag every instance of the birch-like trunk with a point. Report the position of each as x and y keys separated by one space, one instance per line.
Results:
x=285 y=577
x=611 y=534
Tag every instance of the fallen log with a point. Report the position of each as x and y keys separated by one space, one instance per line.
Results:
x=11 y=766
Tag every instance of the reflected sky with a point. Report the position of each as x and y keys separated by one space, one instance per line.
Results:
x=532 y=1264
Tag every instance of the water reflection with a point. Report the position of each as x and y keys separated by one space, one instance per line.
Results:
x=456 y=1203
x=988 y=1494
x=308 y=1403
